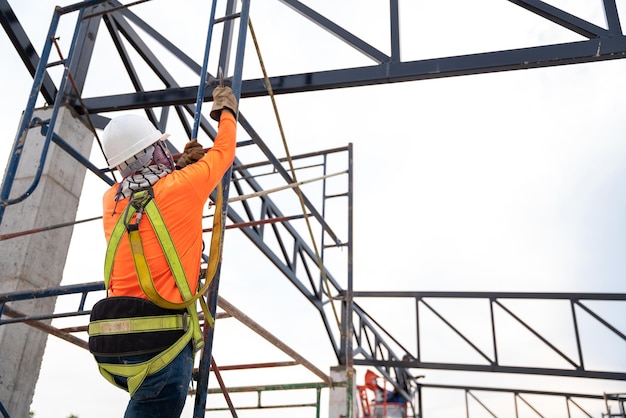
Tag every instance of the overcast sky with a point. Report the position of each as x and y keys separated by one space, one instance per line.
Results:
x=499 y=182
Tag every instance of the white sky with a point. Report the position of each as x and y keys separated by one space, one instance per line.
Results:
x=500 y=182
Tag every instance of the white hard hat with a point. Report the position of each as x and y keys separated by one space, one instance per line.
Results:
x=126 y=135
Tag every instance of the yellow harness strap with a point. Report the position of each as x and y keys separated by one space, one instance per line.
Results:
x=140 y=202
x=139 y=324
x=136 y=373
x=143 y=199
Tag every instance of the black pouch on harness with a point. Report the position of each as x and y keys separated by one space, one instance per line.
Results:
x=131 y=343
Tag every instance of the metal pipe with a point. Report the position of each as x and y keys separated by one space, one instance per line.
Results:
x=5 y=237
x=13 y=313
x=43 y=317
x=349 y=299
x=240 y=225
x=203 y=73
x=220 y=381
x=70 y=150
x=18 y=144
x=258 y=365
x=261 y=388
x=51 y=291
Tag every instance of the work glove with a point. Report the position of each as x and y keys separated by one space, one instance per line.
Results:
x=193 y=152
x=223 y=98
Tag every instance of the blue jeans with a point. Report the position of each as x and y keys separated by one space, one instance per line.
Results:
x=163 y=394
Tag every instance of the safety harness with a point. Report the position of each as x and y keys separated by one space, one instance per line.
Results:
x=142 y=202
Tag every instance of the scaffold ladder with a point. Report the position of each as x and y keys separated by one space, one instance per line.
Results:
x=228 y=20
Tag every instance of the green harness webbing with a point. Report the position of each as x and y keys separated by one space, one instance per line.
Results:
x=142 y=202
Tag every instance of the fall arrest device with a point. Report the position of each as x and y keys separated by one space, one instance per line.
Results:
x=183 y=317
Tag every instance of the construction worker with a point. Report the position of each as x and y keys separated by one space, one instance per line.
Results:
x=403 y=379
x=145 y=333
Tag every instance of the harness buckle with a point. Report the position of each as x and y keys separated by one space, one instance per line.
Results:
x=185 y=322
x=132 y=227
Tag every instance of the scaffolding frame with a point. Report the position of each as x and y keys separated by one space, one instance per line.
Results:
x=379 y=349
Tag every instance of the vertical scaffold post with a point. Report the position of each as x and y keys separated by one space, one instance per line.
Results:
x=227 y=20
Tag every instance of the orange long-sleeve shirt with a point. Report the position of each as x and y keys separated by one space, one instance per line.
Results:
x=180 y=197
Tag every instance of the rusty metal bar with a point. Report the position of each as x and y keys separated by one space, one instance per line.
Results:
x=13 y=313
x=258 y=365
x=259 y=222
x=218 y=374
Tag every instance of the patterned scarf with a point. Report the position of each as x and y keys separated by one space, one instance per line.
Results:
x=141 y=179
x=144 y=170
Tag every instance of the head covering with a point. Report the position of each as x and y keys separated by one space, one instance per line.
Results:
x=144 y=169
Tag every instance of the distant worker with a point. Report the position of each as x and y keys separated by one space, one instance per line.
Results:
x=403 y=379
x=145 y=333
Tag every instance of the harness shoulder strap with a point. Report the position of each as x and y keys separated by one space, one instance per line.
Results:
x=141 y=202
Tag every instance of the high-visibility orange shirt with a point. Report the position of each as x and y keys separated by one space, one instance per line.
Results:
x=180 y=197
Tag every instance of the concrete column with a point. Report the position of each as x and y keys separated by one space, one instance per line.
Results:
x=338 y=397
x=37 y=261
